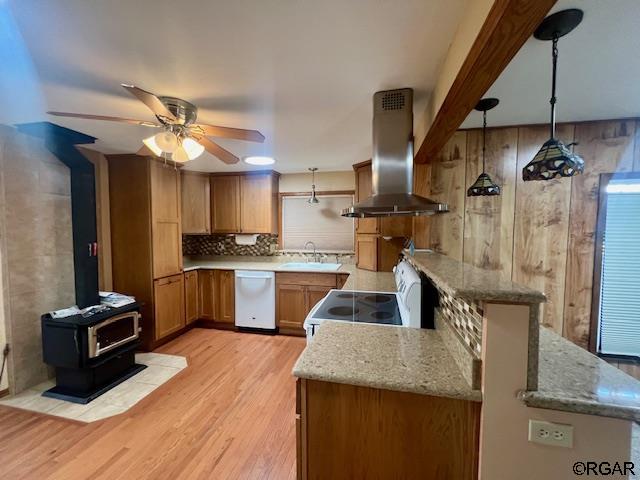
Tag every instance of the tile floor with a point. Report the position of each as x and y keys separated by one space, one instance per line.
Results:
x=160 y=369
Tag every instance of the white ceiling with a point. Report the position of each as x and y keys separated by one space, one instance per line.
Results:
x=301 y=71
x=598 y=70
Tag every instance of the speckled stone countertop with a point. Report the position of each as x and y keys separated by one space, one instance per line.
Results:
x=573 y=380
x=472 y=283
x=358 y=279
x=390 y=358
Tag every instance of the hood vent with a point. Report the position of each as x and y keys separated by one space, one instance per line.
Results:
x=392 y=161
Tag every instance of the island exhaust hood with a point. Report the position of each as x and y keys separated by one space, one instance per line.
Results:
x=392 y=162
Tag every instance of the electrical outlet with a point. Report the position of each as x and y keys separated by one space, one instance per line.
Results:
x=554 y=434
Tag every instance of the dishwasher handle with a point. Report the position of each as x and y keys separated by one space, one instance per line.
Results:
x=257 y=275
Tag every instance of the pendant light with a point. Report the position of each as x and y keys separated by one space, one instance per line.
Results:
x=484 y=186
x=555 y=159
x=313 y=199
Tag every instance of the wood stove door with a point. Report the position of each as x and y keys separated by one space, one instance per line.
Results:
x=112 y=333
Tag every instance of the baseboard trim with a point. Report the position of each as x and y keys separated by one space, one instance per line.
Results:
x=4 y=393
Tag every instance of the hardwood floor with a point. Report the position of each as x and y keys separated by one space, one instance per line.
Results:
x=229 y=415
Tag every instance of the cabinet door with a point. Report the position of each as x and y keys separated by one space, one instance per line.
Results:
x=165 y=220
x=206 y=295
x=315 y=294
x=196 y=203
x=388 y=253
x=226 y=296
x=291 y=306
x=225 y=204
x=396 y=226
x=363 y=191
x=367 y=252
x=256 y=200
x=191 y=296
x=168 y=296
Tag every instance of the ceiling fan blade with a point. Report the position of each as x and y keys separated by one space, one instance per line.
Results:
x=227 y=132
x=150 y=100
x=103 y=117
x=216 y=150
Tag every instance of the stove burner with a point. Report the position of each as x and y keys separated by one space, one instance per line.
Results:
x=346 y=295
x=342 y=311
x=378 y=298
x=382 y=315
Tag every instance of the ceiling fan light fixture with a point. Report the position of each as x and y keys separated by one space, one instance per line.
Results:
x=180 y=155
x=151 y=144
x=259 y=160
x=193 y=148
x=167 y=141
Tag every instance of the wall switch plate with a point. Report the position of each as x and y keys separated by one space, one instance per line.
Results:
x=554 y=434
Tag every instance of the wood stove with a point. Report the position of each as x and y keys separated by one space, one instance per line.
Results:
x=91 y=354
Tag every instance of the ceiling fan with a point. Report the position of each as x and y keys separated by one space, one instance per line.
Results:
x=181 y=139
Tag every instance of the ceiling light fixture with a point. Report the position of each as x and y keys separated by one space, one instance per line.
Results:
x=313 y=199
x=555 y=159
x=167 y=141
x=151 y=144
x=257 y=160
x=484 y=186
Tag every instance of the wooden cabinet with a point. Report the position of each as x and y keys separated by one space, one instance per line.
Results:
x=168 y=296
x=196 y=203
x=246 y=203
x=372 y=253
x=413 y=436
x=206 y=294
x=191 y=307
x=296 y=295
x=225 y=204
x=225 y=296
x=146 y=234
x=376 y=253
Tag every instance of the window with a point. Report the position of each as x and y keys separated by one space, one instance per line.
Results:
x=617 y=274
x=320 y=223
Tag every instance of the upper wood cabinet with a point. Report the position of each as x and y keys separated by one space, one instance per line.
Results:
x=363 y=191
x=225 y=204
x=244 y=203
x=196 y=203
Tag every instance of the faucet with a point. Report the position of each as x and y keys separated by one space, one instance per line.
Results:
x=315 y=255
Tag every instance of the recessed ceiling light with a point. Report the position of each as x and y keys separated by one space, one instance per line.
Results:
x=259 y=160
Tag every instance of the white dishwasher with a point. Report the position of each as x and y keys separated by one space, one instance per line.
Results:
x=256 y=299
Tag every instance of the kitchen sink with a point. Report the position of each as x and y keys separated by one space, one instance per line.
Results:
x=315 y=266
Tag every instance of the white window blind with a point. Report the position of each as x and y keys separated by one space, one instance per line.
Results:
x=620 y=280
x=320 y=223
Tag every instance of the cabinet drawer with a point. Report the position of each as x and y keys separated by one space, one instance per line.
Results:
x=320 y=279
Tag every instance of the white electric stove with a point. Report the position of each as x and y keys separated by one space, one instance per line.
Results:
x=399 y=309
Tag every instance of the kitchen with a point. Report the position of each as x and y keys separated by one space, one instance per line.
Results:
x=356 y=293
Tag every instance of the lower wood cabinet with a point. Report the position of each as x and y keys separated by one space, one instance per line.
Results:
x=169 y=305
x=191 y=304
x=296 y=295
x=413 y=436
x=225 y=296
x=206 y=295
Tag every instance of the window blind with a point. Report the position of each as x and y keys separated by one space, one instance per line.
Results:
x=620 y=281
x=320 y=223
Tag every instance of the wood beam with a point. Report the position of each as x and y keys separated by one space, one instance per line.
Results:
x=507 y=27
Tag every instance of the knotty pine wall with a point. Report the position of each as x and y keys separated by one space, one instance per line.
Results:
x=540 y=234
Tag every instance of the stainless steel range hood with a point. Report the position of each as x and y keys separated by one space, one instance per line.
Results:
x=392 y=162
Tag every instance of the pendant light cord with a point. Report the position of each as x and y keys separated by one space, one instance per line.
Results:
x=554 y=52
x=484 y=135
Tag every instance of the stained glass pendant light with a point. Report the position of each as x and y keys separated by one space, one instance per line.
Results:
x=555 y=159
x=313 y=199
x=484 y=186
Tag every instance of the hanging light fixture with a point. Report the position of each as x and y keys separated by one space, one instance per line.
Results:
x=484 y=186
x=555 y=159
x=313 y=199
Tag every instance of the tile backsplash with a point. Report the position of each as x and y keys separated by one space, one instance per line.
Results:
x=198 y=245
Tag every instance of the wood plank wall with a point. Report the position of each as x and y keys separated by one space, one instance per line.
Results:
x=540 y=234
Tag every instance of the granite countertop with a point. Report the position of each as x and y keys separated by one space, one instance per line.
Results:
x=358 y=279
x=574 y=380
x=390 y=358
x=472 y=283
